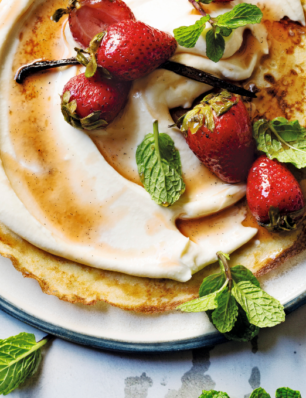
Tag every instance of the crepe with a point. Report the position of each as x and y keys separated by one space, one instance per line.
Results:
x=281 y=94
x=78 y=283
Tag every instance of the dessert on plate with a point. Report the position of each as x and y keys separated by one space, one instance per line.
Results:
x=73 y=210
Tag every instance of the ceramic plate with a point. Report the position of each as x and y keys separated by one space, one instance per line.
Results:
x=103 y=326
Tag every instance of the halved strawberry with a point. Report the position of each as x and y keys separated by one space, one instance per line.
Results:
x=87 y=18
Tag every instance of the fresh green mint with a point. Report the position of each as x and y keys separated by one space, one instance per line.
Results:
x=284 y=392
x=235 y=303
x=187 y=36
x=260 y=393
x=213 y=394
x=218 y=28
x=225 y=315
x=159 y=167
x=20 y=357
x=262 y=310
x=282 y=140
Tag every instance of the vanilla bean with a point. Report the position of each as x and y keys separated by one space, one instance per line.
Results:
x=180 y=69
x=38 y=66
x=204 y=77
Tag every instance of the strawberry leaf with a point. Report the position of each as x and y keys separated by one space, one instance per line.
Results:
x=187 y=36
x=282 y=140
x=159 y=167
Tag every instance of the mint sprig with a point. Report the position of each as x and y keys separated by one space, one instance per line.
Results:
x=159 y=167
x=283 y=392
x=213 y=394
x=220 y=27
x=235 y=303
x=20 y=357
x=282 y=140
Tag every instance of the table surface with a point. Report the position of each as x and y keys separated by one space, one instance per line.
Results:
x=69 y=370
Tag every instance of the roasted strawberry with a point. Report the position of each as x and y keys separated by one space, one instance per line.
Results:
x=132 y=49
x=87 y=18
x=219 y=132
x=93 y=103
x=274 y=196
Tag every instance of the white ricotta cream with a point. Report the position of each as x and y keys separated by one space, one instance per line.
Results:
x=120 y=228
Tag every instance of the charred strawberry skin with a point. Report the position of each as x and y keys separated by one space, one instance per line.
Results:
x=132 y=49
x=96 y=99
x=274 y=195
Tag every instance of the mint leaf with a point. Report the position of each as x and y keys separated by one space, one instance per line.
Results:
x=241 y=15
x=225 y=316
x=260 y=393
x=187 y=36
x=159 y=167
x=20 y=357
x=215 y=45
x=211 y=283
x=241 y=273
x=286 y=392
x=213 y=394
x=282 y=140
x=243 y=330
x=261 y=309
x=201 y=304
x=224 y=31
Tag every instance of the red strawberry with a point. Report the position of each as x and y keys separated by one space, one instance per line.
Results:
x=87 y=18
x=93 y=103
x=274 y=195
x=132 y=49
x=218 y=131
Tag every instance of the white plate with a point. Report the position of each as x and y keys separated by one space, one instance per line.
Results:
x=104 y=326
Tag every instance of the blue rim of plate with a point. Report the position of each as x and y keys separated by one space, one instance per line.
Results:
x=210 y=339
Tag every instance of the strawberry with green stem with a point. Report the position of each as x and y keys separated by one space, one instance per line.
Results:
x=128 y=50
x=218 y=131
x=274 y=195
x=93 y=103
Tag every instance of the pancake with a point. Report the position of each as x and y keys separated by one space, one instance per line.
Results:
x=280 y=79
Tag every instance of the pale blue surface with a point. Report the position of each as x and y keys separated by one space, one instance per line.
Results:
x=69 y=370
